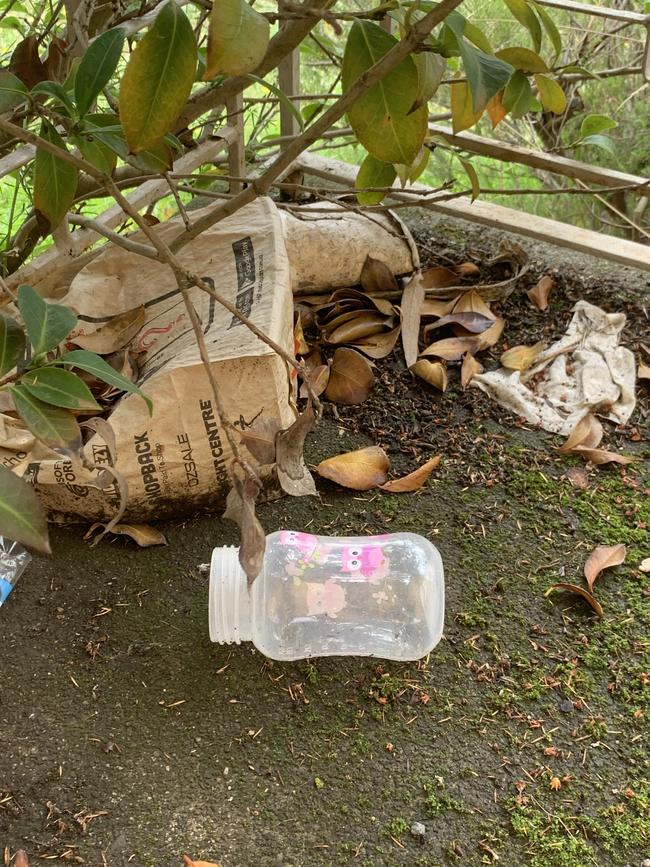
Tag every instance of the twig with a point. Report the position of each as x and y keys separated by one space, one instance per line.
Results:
x=178 y=200
x=120 y=240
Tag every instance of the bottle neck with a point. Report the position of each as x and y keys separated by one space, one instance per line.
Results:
x=229 y=599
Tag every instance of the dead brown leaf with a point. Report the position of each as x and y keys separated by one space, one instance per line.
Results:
x=318 y=378
x=469 y=369
x=21 y=859
x=26 y=64
x=142 y=534
x=376 y=276
x=467 y=269
x=580 y=591
x=578 y=478
x=357 y=327
x=433 y=307
x=351 y=378
x=411 y=310
x=601 y=558
x=492 y=335
x=300 y=345
x=521 y=357
x=433 y=372
x=360 y=470
x=539 y=294
x=240 y=508
x=413 y=481
x=588 y=432
x=452 y=348
x=114 y=335
x=475 y=323
x=471 y=302
x=190 y=863
x=259 y=439
x=378 y=345
x=643 y=371
x=438 y=277
x=294 y=477
x=602 y=456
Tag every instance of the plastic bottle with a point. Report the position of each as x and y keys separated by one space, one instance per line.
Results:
x=316 y=596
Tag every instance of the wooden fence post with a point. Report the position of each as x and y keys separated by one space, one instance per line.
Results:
x=236 y=154
x=289 y=83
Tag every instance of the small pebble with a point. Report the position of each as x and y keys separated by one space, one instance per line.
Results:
x=418 y=829
x=566 y=706
x=645 y=862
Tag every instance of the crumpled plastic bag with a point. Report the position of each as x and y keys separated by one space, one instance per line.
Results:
x=585 y=371
x=14 y=559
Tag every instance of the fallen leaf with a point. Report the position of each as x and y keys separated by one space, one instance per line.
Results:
x=587 y=432
x=433 y=372
x=643 y=371
x=473 y=322
x=602 y=456
x=414 y=481
x=259 y=439
x=580 y=591
x=521 y=357
x=492 y=335
x=351 y=378
x=555 y=784
x=21 y=859
x=376 y=276
x=318 y=378
x=539 y=294
x=300 y=345
x=644 y=565
x=240 y=508
x=578 y=478
x=361 y=470
x=379 y=345
x=433 y=307
x=189 y=863
x=601 y=558
x=293 y=475
x=469 y=369
x=114 y=335
x=452 y=348
x=410 y=312
x=144 y=535
x=471 y=302
x=467 y=269
x=357 y=327
x=438 y=277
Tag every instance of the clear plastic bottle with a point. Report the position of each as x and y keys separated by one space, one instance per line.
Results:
x=346 y=596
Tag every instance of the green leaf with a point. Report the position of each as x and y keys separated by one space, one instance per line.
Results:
x=523 y=58
x=431 y=69
x=373 y=173
x=55 y=427
x=281 y=95
x=12 y=91
x=155 y=159
x=486 y=74
x=380 y=118
x=238 y=37
x=57 y=92
x=551 y=30
x=55 y=180
x=473 y=177
x=93 y=364
x=551 y=94
x=463 y=115
x=12 y=344
x=458 y=24
x=59 y=387
x=21 y=516
x=158 y=79
x=96 y=152
x=604 y=142
x=419 y=165
x=595 y=123
x=107 y=129
x=47 y=324
x=310 y=110
x=518 y=95
x=97 y=66
x=525 y=15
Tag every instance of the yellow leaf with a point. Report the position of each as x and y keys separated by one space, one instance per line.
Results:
x=551 y=94
x=414 y=481
x=238 y=37
x=463 y=115
x=521 y=357
x=361 y=470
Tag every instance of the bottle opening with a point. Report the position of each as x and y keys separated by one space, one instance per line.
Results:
x=229 y=599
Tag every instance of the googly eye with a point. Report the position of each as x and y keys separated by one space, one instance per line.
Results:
x=355 y=552
x=354 y=563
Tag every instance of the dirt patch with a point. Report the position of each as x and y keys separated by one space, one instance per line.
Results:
x=129 y=738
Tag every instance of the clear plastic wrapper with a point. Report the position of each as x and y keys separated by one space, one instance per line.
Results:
x=14 y=559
